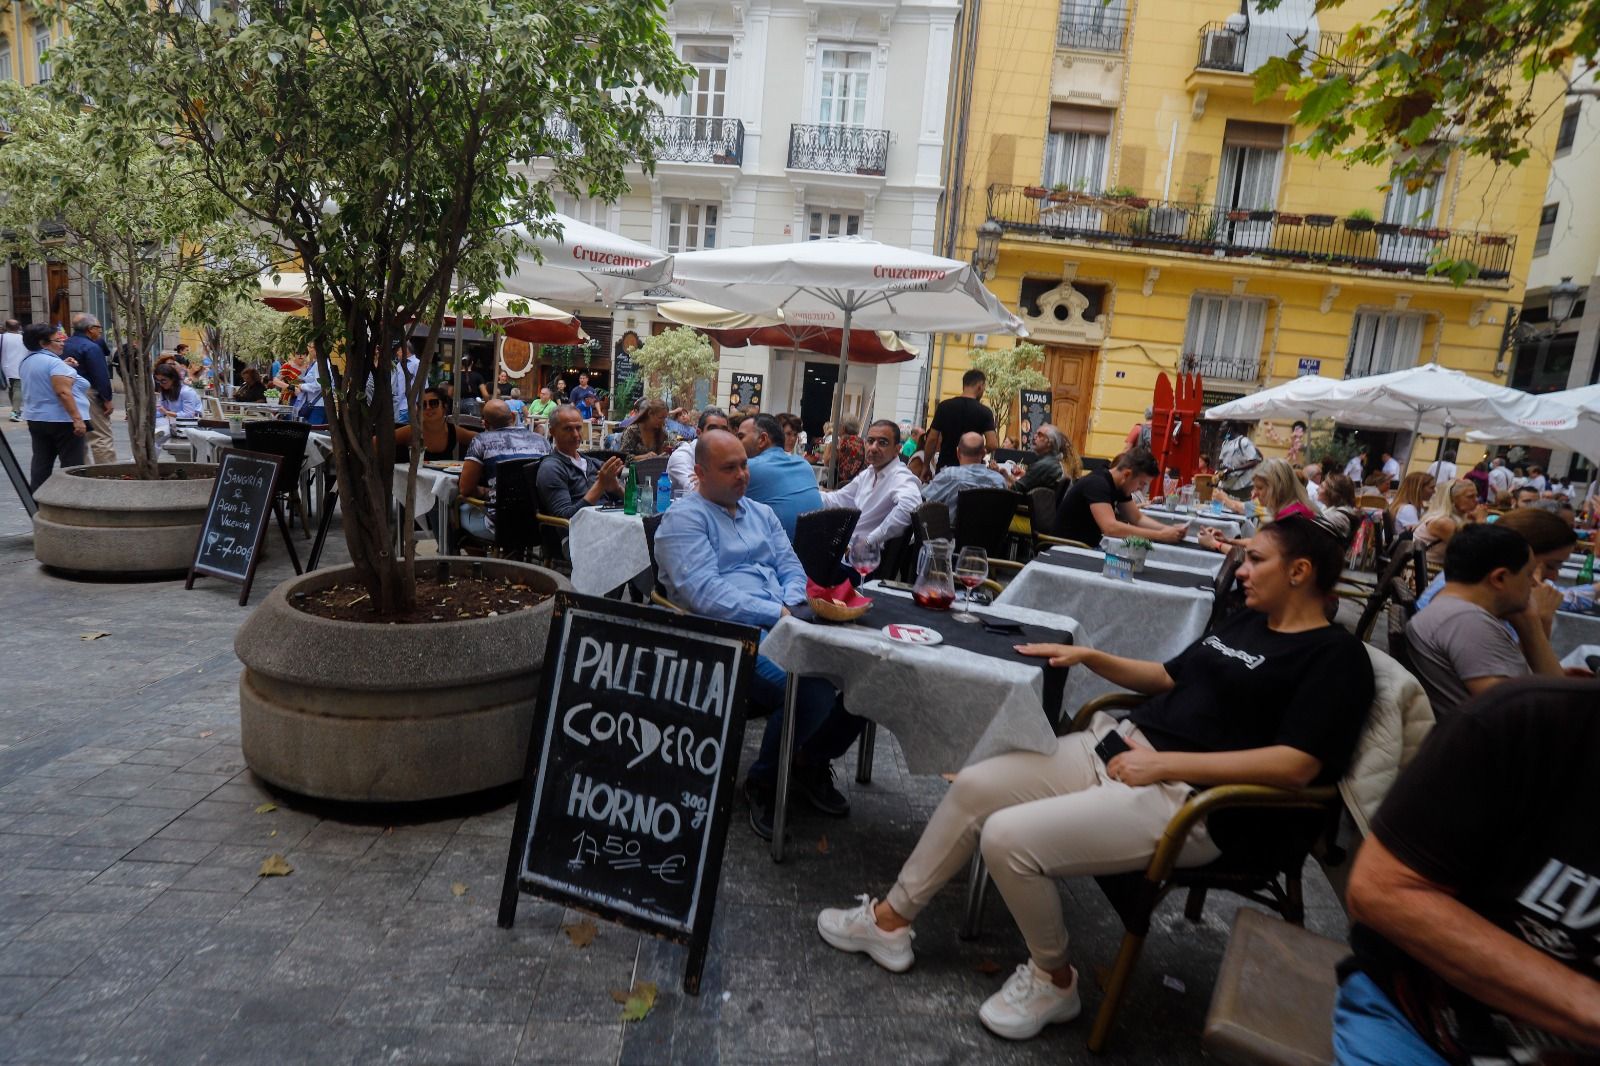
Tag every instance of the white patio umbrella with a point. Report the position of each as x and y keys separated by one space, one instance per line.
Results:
x=1439 y=401
x=585 y=264
x=1305 y=398
x=1583 y=436
x=846 y=283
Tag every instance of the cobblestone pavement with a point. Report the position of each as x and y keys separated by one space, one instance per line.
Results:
x=134 y=927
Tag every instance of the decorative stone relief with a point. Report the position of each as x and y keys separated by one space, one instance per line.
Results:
x=1060 y=317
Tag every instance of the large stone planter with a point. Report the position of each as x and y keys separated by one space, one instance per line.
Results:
x=92 y=521
x=390 y=713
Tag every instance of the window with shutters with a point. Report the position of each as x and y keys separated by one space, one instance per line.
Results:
x=1411 y=207
x=1547 y=228
x=41 y=47
x=821 y=222
x=707 y=95
x=5 y=61
x=1252 y=162
x=1381 y=341
x=691 y=226
x=1075 y=148
x=1224 y=336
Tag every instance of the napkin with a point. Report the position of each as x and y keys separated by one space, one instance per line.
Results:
x=843 y=592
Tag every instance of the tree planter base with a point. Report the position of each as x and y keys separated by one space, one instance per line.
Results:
x=375 y=713
x=93 y=523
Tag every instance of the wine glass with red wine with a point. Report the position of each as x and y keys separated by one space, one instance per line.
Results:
x=864 y=556
x=972 y=567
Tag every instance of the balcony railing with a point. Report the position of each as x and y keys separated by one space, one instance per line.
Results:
x=839 y=149
x=1205 y=229
x=1224 y=47
x=678 y=138
x=1091 y=25
x=1213 y=367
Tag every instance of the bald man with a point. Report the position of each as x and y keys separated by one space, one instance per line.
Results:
x=500 y=440
x=969 y=473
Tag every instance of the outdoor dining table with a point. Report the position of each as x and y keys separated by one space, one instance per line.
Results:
x=1583 y=657
x=1188 y=554
x=607 y=549
x=949 y=705
x=437 y=489
x=1231 y=524
x=1572 y=630
x=1160 y=612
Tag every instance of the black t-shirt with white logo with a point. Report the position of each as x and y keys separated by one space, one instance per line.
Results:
x=1246 y=686
x=1500 y=808
x=1075 y=520
x=957 y=416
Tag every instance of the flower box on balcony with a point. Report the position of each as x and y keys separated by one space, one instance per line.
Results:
x=1261 y=215
x=1437 y=234
x=1321 y=221
x=1168 y=221
x=1035 y=192
x=1359 y=225
x=1238 y=216
x=1494 y=239
x=1286 y=219
x=1065 y=196
x=1140 y=202
x=1386 y=229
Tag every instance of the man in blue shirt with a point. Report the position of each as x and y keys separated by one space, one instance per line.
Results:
x=723 y=555
x=786 y=483
x=969 y=473
x=583 y=397
x=84 y=351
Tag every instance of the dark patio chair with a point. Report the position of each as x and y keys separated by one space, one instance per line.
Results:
x=821 y=539
x=287 y=440
x=516 y=508
x=1394 y=571
x=983 y=520
x=1228 y=598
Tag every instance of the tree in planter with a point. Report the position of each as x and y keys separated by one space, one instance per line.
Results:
x=672 y=361
x=141 y=224
x=382 y=145
x=1007 y=372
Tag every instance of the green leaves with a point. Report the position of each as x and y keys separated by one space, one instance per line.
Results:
x=1323 y=100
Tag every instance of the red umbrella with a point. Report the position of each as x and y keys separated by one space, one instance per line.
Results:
x=734 y=329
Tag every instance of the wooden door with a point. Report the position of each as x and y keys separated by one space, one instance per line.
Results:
x=1071 y=374
x=58 y=289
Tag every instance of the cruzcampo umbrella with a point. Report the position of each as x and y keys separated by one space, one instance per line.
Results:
x=585 y=264
x=1303 y=398
x=740 y=329
x=845 y=283
x=525 y=320
x=1551 y=430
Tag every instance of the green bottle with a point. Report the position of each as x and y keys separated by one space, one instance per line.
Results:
x=630 y=493
x=1586 y=575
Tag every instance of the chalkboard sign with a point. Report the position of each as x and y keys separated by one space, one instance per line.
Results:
x=1035 y=406
x=629 y=786
x=19 y=480
x=244 y=496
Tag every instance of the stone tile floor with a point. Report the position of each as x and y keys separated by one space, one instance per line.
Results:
x=134 y=927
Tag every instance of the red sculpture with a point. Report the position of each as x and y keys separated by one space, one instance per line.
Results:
x=1175 y=426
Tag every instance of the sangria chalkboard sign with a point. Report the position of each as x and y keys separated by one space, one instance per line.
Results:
x=242 y=501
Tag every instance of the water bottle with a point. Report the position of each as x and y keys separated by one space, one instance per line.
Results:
x=663 y=493
x=630 y=493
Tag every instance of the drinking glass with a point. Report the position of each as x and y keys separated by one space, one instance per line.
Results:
x=864 y=556
x=972 y=567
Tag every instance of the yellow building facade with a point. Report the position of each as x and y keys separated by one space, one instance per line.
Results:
x=1146 y=215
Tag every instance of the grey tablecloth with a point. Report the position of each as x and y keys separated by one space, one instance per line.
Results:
x=946 y=706
x=1201 y=564
x=1578 y=658
x=1573 y=631
x=1231 y=524
x=607 y=548
x=1140 y=620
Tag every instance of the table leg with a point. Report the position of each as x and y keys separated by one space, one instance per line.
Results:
x=864 y=746
x=441 y=518
x=780 y=810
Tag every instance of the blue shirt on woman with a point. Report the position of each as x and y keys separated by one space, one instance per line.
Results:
x=39 y=402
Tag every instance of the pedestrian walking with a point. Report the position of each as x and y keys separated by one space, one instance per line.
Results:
x=55 y=404
x=85 y=351
x=11 y=353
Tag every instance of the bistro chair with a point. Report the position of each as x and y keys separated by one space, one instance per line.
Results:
x=1265 y=834
x=287 y=440
x=1013 y=455
x=658 y=595
x=983 y=520
x=1420 y=577
x=1042 y=513
x=1228 y=598
x=1402 y=608
x=516 y=508
x=1392 y=574
x=553 y=542
x=472 y=422
x=821 y=539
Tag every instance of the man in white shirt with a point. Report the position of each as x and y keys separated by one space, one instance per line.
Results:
x=1501 y=481
x=887 y=493
x=1356 y=468
x=12 y=353
x=1313 y=473
x=400 y=378
x=1444 y=470
x=1391 y=466
x=680 y=464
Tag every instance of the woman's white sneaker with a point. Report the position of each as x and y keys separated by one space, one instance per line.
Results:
x=1028 y=1002
x=856 y=929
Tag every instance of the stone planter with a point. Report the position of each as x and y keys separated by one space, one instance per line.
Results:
x=379 y=713
x=93 y=522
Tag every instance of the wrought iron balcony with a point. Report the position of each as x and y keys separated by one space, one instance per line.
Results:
x=1205 y=229
x=839 y=149
x=1091 y=25
x=1223 y=47
x=678 y=138
x=1214 y=367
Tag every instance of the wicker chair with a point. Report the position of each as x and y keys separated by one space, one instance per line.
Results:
x=820 y=540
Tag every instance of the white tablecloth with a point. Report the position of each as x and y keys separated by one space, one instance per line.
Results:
x=1578 y=658
x=607 y=548
x=948 y=707
x=1140 y=620
x=1572 y=631
x=207 y=442
x=1196 y=563
x=1231 y=524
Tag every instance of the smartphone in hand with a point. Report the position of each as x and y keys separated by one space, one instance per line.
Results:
x=1111 y=745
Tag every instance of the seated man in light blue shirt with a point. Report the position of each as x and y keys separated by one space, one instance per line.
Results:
x=786 y=483
x=969 y=473
x=723 y=555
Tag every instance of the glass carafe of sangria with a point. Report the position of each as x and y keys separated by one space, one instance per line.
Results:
x=936 y=586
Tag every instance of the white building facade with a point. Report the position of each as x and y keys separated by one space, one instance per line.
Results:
x=805 y=119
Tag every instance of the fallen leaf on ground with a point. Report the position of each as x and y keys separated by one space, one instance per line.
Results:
x=458 y=889
x=822 y=845
x=988 y=966
x=581 y=932
x=273 y=833
x=275 y=866
x=266 y=808
x=207 y=733
x=92 y=636
x=637 y=1002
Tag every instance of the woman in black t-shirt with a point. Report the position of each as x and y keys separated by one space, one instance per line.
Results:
x=1276 y=696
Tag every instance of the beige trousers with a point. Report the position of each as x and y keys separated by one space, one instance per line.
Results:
x=101 y=443
x=1039 y=817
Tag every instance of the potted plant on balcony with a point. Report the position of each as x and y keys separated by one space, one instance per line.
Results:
x=1359 y=221
x=1287 y=219
x=131 y=220
x=1035 y=192
x=355 y=685
x=1063 y=193
x=1386 y=229
x=1262 y=214
x=1238 y=214
x=1321 y=221
x=1493 y=240
x=1436 y=233
x=1125 y=194
x=1168 y=220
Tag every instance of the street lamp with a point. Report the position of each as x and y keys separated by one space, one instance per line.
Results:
x=1563 y=301
x=987 y=253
